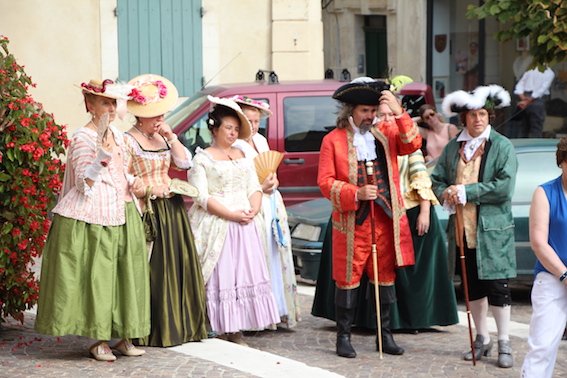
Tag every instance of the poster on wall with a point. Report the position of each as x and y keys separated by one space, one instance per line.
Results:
x=466 y=59
x=440 y=87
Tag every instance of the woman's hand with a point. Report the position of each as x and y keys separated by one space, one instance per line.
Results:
x=138 y=188
x=164 y=130
x=243 y=216
x=270 y=184
x=422 y=225
x=161 y=191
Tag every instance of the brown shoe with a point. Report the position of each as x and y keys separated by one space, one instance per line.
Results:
x=236 y=338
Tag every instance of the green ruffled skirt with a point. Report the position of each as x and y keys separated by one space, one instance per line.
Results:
x=94 y=280
x=178 y=306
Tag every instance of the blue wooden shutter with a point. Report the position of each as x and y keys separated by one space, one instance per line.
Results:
x=161 y=37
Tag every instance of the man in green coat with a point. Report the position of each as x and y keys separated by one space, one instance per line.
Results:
x=477 y=170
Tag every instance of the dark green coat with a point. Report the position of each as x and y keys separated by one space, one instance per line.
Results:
x=496 y=254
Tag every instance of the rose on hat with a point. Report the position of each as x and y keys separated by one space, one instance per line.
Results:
x=262 y=106
x=151 y=96
x=245 y=128
x=106 y=88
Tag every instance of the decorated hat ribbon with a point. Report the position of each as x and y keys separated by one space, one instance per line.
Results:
x=137 y=95
x=98 y=89
x=248 y=100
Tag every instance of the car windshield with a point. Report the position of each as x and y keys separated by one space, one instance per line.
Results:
x=185 y=109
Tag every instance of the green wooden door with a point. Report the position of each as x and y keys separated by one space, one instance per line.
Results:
x=376 y=52
x=162 y=37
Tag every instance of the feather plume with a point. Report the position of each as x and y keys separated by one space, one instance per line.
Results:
x=486 y=96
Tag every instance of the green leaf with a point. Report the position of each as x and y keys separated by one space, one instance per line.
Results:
x=4 y=176
x=495 y=9
x=7 y=228
x=10 y=154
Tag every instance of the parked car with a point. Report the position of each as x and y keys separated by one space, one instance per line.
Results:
x=304 y=112
x=536 y=165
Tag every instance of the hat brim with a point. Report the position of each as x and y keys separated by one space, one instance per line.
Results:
x=154 y=109
x=101 y=94
x=361 y=93
x=245 y=128
x=265 y=113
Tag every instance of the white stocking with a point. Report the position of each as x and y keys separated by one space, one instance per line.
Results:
x=479 y=311
x=502 y=318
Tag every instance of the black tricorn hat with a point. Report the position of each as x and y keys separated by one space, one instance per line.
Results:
x=361 y=91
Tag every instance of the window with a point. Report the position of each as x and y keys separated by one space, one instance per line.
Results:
x=306 y=121
x=534 y=168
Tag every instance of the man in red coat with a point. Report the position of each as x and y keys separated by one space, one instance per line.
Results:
x=359 y=138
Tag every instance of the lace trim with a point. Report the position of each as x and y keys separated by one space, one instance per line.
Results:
x=161 y=154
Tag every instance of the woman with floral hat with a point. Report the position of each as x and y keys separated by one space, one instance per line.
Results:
x=226 y=223
x=94 y=275
x=178 y=309
x=276 y=231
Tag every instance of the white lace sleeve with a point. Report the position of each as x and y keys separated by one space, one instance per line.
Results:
x=183 y=163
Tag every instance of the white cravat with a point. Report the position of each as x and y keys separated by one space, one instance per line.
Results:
x=364 y=143
x=472 y=144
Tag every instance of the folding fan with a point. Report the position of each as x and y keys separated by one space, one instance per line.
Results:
x=267 y=162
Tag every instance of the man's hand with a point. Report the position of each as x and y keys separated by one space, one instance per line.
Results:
x=367 y=193
x=450 y=195
x=389 y=99
x=524 y=103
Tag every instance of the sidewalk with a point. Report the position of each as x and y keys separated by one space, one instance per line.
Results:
x=305 y=351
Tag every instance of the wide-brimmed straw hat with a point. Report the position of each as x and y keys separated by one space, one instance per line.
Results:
x=245 y=128
x=483 y=97
x=105 y=88
x=262 y=106
x=361 y=91
x=151 y=96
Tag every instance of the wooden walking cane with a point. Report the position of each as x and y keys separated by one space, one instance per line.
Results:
x=371 y=180
x=459 y=236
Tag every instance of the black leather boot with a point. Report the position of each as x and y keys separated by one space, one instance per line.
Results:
x=388 y=344
x=345 y=306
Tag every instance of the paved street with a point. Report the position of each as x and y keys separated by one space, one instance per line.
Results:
x=306 y=351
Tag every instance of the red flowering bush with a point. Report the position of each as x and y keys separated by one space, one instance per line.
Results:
x=30 y=179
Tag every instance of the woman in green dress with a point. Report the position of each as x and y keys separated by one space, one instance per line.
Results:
x=94 y=274
x=178 y=307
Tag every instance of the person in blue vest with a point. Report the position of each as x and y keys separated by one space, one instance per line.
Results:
x=548 y=220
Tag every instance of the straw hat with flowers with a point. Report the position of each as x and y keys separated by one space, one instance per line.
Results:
x=151 y=96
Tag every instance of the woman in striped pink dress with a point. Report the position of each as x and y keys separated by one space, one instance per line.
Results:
x=94 y=275
x=178 y=309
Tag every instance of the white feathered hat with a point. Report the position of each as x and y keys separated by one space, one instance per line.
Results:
x=485 y=96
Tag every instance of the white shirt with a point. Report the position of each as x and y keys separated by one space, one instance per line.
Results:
x=364 y=143
x=536 y=82
x=472 y=144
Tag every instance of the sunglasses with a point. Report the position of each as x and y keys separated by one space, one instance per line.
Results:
x=427 y=117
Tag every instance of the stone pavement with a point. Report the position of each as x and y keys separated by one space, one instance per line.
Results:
x=305 y=351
